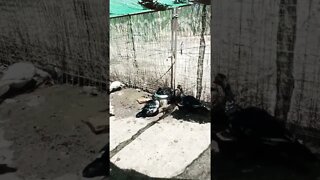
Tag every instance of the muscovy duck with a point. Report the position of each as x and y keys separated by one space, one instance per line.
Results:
x=116 y=86
x=165 y=91
x=164 y=95
x=100 y=166
x=187 y=102
x=150 y=109
x=256 y=126
x=250 y=122
x=218 y=116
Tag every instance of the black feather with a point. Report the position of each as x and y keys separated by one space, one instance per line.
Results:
x=150 y=109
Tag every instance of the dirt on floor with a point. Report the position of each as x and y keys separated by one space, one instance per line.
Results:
x=47 y=137
x=125 y=105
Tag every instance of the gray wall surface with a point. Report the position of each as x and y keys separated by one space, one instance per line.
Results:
x=244 y=44
x=140 y=50
x=70 y=34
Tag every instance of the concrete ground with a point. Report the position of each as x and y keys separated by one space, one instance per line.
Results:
x=41 y=133
x=266 y=166
x=246 y=161
x=177 y=146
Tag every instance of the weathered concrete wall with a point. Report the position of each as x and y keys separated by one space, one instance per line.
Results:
x=70 y=34
x=140 y=50
x=245 y=45
x=244 y=48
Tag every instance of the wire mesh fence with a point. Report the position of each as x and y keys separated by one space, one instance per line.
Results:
x=140 y=50
x=245 y=48
x=69 y=35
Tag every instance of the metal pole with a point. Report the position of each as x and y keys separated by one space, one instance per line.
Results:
x=172 y=35
x=174 y=27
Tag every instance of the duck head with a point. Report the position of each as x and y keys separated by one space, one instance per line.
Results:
x=122 y=85
x=178 y=94
x=179 y=91
x=159 y=90
x=221 y=80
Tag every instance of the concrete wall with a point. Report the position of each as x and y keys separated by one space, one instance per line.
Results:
x=245 y=45
x=70 y=34
x=140 y=50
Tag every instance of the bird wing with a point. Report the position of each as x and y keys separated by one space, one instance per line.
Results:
x=150 y=105
x=190 y=100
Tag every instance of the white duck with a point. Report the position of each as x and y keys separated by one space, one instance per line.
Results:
x=115 y=86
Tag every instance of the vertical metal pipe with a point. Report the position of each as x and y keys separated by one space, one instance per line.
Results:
x=174 y=28
x=286 y=37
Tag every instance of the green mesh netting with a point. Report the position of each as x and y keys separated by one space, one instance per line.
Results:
x=130 y=7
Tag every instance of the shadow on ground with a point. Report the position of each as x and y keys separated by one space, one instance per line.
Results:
x=200 y=116
x=263 y=163
x=29 y=88
x=6 y=169
x=120 y=174
x=125 y=103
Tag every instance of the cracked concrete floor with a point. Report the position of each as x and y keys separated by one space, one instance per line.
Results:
x=42 y=134
x=175 y=147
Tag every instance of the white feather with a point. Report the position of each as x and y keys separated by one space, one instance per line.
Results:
x=116 y=85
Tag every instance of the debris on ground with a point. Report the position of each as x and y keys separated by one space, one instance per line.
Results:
x=97 y=124
x=45 y=135
x=143 y=100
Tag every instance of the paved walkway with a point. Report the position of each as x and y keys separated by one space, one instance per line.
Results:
x=164 y=149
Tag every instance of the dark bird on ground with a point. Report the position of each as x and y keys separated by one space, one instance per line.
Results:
x=250 y=122
x=164 y=94
x=186 y=102
x=165 y=91
x=151 y=108
x=255 y=125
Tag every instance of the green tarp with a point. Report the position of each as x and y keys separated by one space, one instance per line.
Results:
x=130 y=7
